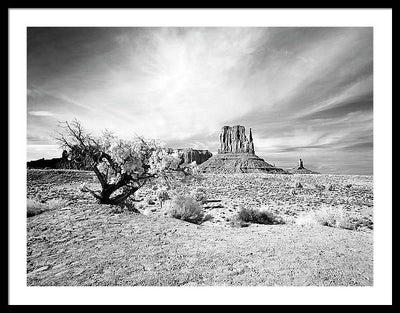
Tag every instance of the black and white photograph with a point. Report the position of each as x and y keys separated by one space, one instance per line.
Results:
x=200 y=156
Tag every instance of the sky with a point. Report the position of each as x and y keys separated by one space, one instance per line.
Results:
x=305 y=92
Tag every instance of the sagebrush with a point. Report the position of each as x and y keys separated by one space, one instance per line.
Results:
x=187 y=209
x=333 y=217
x=258 y=216
x=199 y=195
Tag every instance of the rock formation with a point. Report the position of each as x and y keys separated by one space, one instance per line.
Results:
x=233 y=140
x=190 y=155
x=236 y=154
x=45 y=163
x=238 y=163
x=67 y=160
x=300 y=169
x=55 y=163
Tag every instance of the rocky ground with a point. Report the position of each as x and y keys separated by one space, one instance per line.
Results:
x=230 y=163
x=275 y=192
x=84 y=243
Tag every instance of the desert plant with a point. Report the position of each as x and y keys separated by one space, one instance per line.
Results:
x=208 y=217
x=306 y=219
x=187 y=209
x=324 y=216
x=162 y=195
x=121 y=166
x=330 y=216
x=236 y=222
x=258 y=216
x=199 y=195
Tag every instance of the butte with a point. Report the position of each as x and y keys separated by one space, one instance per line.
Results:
x=237 y=155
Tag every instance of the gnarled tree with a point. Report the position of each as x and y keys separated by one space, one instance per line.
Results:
x=121 y=166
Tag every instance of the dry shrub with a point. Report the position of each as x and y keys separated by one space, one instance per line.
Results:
x=332 y=217
x=236 y=222
x=208 y=217
x=307 y=219
x=187 y=209
x=258 y=216
x=199 y=195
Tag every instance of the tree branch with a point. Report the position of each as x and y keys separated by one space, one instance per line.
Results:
x=123 y=196
x=100 y=176
x=96 y=195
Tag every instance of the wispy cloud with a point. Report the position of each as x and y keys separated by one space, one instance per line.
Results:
x=305 y=92
x=41 y=113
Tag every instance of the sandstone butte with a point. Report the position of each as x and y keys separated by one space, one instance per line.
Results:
x=236 y=154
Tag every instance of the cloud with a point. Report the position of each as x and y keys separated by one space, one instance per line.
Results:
x=299 y=89
x=359 y=146
x=41 y=113
x=349 y=105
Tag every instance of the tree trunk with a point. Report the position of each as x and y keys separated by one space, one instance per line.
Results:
x=108 y=189
x=106 y=196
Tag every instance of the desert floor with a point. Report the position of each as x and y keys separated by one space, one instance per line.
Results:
x=84 y=243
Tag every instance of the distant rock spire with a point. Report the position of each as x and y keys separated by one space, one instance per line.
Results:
x=251 y=144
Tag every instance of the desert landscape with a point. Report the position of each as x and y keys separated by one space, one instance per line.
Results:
x=80 y=242
x=200 y=156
